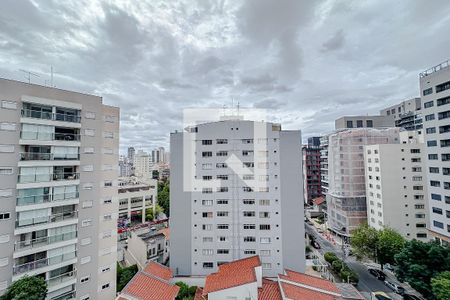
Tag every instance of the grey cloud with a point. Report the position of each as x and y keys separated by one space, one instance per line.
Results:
x=335 y=42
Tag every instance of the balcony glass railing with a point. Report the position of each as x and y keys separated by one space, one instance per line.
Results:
x=44 y=198
x=47 y=136
x=48 y=156
x=46 y=219
x=38 y=114
x=65 y=296
x=39 y=242
x=47 y=177
x=51 y=282
x=41 y=263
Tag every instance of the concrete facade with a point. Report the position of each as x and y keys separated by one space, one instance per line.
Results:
x=58 y=186
x=135 y=196
x=236 y=191
x=348 y=122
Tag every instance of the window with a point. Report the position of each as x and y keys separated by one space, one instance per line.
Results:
x=222 y=226
x=9 y=104
x=207 y=202
x=349 y=124
x=222 y=177
x=247 y=189
x=249 y=252
x=223 y=251
x=108 y=135
x=444 y=129
x=429 y=117
x=85 y=279
x=89 y=115
x=207 y=177
x=89 y=132
x=250 y=239
x=222 y=141
x=264 y=214
x=208 y=265
x=222 y=239
x=7 y=148
x=207 y=227
x=107 y=217
x=89 y=150
x=265 y=240
x=248 y=177
x=247 y=152
x=248 y=164
x=206 y=166
x=432 y=156
x=249 y=213
x=249 y=201
x=208 y=252
x=6 y=171
x=431 y=130
x=207 y=239
x=436 y=197
x=434 y=170
x=222 y=214
x=442 y=87
x=88 y=168
x=105 y=286
x=207 y=154
x=359 y=123
x=207 y=214
x=85 y=223
x=428 y=104
x=206 y=142
x=222 y=189
x=435 y=183
x=369 y=123
x=445 y=143
x=415 y=150
x=264 y=202
x=247 y=141
x=437 y=210
x=207 y=191
x=222 y=153
x=427 y=91
x=85 y=260
x=438 y=224
x=221 y=165
x=264 y=227
x=8 y=126
x=222 y=201
x=87 y=203
x=444 y=115
x=5 y=215
x=249 y=226
x=108 y=183
x=443 y=101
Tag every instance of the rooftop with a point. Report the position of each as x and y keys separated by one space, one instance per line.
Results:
x=434 y=69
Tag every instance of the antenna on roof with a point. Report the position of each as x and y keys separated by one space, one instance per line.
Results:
x=51 y=76
x=28 y=74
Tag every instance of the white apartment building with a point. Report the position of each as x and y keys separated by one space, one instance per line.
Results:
x=406 y=114
x=236 y=191
x=142 y=164
x=135 y=197
x=58 y=176
x=159 y=155
x=346 y=196
x=396 y=186
x=435 y=89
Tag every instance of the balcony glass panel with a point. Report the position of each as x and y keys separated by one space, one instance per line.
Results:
x=42 y=241
x=44 y=262
x=42 y=217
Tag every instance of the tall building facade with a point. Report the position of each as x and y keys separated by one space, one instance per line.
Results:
x=346 y=197
x=135 y=197
x=311 y=170
x=396 y=186
x=130 y=154
x=348 y=122
x=236 y=191
x=324 y=164
x=435 y=92
x=58 y=169
x=159 y=155
x=142 y=164
x=406 y=114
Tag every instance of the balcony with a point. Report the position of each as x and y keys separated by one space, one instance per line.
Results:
x=46 y=136
x=48 y=177
x=48 y=156
x=47 y=219
x=45 y=198
x=57 y=280
x=41 y=263
x=47 y=115
x=39 y=242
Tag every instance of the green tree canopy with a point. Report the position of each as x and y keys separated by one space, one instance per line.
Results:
x=389 y=243
x=186 y=292
x=149 y=213
x=124 y=275
x=164 y=196
x=418 y=262
x=364 y=241
x=26 y=288
x=440 y=286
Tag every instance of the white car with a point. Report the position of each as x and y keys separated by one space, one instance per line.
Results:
x=395 y=287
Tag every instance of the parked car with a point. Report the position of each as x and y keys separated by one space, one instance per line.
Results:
x=378 y=274
x=379 y=296
x=410 y=297
x=395 y=287
x=316 y=245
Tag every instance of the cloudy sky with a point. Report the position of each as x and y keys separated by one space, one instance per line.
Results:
x=308 y=62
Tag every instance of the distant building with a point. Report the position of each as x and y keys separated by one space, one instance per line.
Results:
x=348 y=122
x=435 y=90
x=135 y=196
x=324 y=164
x=125 y=168
x=406 y=114
x=158 y=155
x=131 y=152
x=311 y=170
x=142 y=165
x=396 y=186
x=314 y=142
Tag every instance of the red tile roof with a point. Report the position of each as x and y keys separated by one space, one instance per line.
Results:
x=166 y=232
x=299 y=293
x=318 y=200
x=144 y=286
x=315 y=282
x=199 y=294
x=232 y=274
x=269 y=290
x=158 y=270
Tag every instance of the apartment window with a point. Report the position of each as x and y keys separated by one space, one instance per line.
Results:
x=249 y=201
x=207 y=166
x=369 y=123
x=248 y=177
x=207 y=191
x=222 y=177
x=89 y=150
x=420 y=216
x=435 y=183
x=207 y=214
x=249 y=213
x=208 y=252
x=108 y=183
x=7 y=148
x=207 y=177
x=446 y=171
x=265 y=240
x=247 y=152
x=432 y=156
x=264 y=252
x=263 y=165
x=207 y=227
x=445 y=156
x=264 y=214
x=359 y=123
x=222 y=201
x=247 y=141
x=85 y=279
x=87 y=203
x=419 y=206
x=264 y=227
x=222 y=239
x=418 y=188
x=264 y=202
x=207 y=202
x=89 y=115
x=438 y=224
x=222 y=141
x=421 y=225
x=445 y=143
x=207 y=154
x=444 y=129
x=434 y=170
x=249 y=252
x=88 y=168
x=443 y=101
x=263 y=178
x=108 y=135
x=5 y=215
x=427 y=91
x=6 y=171
x=222 y=189
x=89 y=132
x=8 y=126
x=207 y=239
x=206 y=142
x=250 y=239
x=248 y=164
x=249 y=226
x=85 y=260
x=106 y=269
x=437 y=210
x=222 y=226
x=9 y=104
x=105 y=286
x=428 y=104
x=107 y=217
x=349 y=124
x=429 y=117
x=208 y=265
x=85 y=223
x=442 y=87
x=222 y=214
x=436 y=197
x=431 y=130
x=222 y=153
x=221 y=165
x=223 y=251
x=247 y=189
x=417 y=178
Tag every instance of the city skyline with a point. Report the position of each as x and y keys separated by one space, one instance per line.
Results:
x=307 y=62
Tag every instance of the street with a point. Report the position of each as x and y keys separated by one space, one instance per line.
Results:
x=367 y=282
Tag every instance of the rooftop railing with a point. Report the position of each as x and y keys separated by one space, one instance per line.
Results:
x=434 y=69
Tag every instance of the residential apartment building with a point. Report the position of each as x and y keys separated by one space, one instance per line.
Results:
x=125 y=167
x=135 y=197
x=58 y=177
x=407 y=114
x=142 y=164
x=435 y=90
x=311 y=170
x=158 y=155
x=346 y=197
x=348 y=122
x=396 y=186
x=324 y=164
x=236 y=191
x=130 y=154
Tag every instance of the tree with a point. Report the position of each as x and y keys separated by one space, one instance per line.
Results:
x=124 y=275
x=149 y=213
x=186 y=292
x=440 y=285
x=164 y=196
x=389 y=243
x=330 y=257
x=364 y=241
x=418 y=262
x=26 y=288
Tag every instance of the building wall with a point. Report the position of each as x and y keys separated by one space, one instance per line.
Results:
x=436 y=135
x=363 y=122
x=245 y=291
x=311 y=173
x=97 y=164
x=285 y=197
